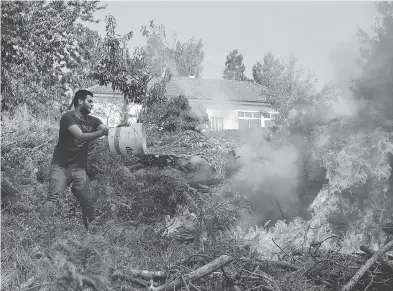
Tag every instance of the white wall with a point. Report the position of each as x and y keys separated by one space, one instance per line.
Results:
x=109 y=110
x=229 y=112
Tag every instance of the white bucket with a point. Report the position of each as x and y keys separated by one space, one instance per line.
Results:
x=127 y=140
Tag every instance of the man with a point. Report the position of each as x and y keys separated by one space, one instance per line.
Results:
x=77 y=129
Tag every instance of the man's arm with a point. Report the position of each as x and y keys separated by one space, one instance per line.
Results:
x=102 y=126
x=87 y=136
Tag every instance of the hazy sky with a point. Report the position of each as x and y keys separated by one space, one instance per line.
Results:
x=309 y=29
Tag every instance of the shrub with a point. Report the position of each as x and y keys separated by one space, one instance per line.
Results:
x=176 y=114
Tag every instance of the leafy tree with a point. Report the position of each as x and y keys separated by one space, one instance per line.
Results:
x=131 y=73
x=289 y=86
x=267 y=73
x=142 y=75
x=188 y=58
x=376 y=83
x=41 y=42
x=234 y=67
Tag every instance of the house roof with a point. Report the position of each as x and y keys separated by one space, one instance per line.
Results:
x=215 y=90
x=204 y=89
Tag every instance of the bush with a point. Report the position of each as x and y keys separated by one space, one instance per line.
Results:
x=176 y=114
x=26 y=152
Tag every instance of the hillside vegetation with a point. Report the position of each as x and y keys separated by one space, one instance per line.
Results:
x=305 y=205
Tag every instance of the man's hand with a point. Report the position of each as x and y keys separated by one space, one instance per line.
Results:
x=104 y=131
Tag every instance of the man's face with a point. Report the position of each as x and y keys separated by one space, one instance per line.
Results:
x=87 y=105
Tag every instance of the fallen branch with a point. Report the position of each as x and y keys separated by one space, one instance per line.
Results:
x=196 y=255
x=121 y=275
x=317 y=245
x=281 y=264
x=382 y=259
x=265 y=276
x=293 y=258
x=146 y=274
x=198 y=273
x=377 y=255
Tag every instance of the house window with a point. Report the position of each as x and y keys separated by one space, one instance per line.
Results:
x=248 y=114
x=266 y=115
x=249 y=119
x=217 y=123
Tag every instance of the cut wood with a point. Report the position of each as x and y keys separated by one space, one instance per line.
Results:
x=198 y=273
x=377 y=255
x=382 y=259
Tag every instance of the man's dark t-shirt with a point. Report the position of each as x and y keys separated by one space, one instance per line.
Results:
x=69 y=152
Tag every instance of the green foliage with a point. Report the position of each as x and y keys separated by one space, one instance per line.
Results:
x=188 y=58
x=162 y=194
x=266 y=73
x=290 y=85
x=376 y=62
x=85 y=262
x=25 y=157
x=42 y=42
x=142 y=75
x=176 y=114
x=234 y=67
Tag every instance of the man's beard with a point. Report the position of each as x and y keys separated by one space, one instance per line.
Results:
x=84 y=111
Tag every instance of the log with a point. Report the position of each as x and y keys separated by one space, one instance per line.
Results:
x=377 y=255
x=382 y=259
x=198 y=273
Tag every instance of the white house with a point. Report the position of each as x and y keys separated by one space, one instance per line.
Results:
x=230 y=104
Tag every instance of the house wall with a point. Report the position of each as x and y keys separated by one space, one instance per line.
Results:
x=108 y=109
x=229 y=112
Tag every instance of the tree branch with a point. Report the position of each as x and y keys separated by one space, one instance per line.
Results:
x=377 y=255
x=198 y=273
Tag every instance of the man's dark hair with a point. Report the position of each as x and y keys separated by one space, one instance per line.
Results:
x=80 y=94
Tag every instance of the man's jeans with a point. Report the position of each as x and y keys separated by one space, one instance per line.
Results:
x=59 y=179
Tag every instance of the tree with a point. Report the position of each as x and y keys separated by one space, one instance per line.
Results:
x=143 y=74
x=234 y=67
x=376 y=83
x=291 y=84
x=40 y=44
x=140 y=76
x=270 y=70
x=188 y=58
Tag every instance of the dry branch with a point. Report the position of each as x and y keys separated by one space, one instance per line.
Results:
x=121 y=275
x=198 y=273
x=146 y=274
x=377 y=255
x=264 y=276
x=281 y=264
x=382 y=259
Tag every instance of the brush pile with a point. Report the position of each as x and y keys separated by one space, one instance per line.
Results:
x=232 y=267
x=189 y=143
